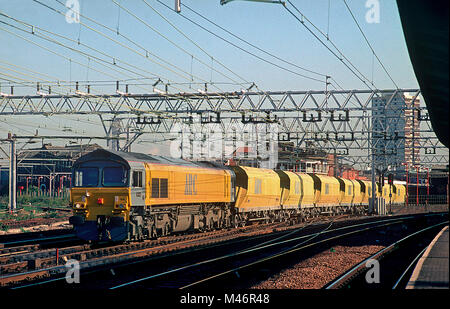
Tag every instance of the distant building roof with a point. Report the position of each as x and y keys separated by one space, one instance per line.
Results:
x=68 y=151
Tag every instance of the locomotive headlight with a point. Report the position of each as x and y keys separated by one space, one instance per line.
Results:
x=79 y=205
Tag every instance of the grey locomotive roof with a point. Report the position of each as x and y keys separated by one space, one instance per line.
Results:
x=125 y=157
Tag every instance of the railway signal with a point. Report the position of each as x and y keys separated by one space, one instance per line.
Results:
x=391 y=179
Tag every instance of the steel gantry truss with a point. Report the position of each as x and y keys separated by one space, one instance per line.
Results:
x=337 y=121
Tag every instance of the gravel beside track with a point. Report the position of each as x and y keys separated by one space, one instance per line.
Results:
x=36 y=224
x=317 y=271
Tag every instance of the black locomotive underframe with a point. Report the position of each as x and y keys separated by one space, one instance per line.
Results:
x=153 y=221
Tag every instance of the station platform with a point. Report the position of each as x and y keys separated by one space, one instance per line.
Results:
x=431 y=271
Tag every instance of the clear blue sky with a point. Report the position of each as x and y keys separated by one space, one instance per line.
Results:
x=268 y=26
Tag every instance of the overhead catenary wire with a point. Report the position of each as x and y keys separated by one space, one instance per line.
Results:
x=31 y=82
x=340 y=57
x=137 y=52
x=158 y=113
x=22 y=81
x=92 y=95
x=243 y=49
x=194 y=43
x=251 y=44
x=36 y=28
x=264 y=51
x=171 y=41
x=186 y=74
x=145 y=56
x=321 y=81
x=134 y=109
x=56 y=53
x=370 y=45
x=137 y=110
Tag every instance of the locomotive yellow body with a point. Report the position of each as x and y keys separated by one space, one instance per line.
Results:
x=117 y=196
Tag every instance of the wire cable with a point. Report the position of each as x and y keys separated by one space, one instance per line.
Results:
x=253 y=45
x=187 y=76
x=242 y=49
x=193 y=42
x=341 y=58
x=368 y=43
x=170 y=41
x=115 y=60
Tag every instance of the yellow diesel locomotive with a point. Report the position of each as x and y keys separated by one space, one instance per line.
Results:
x=118 y=196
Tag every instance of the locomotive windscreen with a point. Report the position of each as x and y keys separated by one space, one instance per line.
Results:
x=114 y=177
x=86 y=177
x=100 y=174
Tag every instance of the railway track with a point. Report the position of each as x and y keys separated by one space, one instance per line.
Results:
x=395 y=263
x=239 y=268
x=202 y=260
x=107 y=266
x=48 y=263
x=245 y=262
x=27 y=262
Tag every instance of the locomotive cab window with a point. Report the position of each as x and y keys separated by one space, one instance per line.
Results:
x=114 y=177
x=86 y=177
x=137 y=179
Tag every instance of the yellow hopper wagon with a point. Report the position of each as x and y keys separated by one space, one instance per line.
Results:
x=258 y=194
